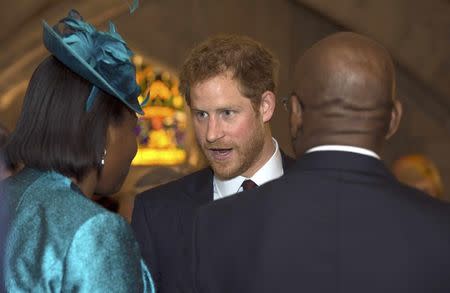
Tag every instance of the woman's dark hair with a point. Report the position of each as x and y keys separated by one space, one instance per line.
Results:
x=54 y=130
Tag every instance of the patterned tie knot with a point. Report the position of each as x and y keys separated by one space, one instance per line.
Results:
x=248 y=184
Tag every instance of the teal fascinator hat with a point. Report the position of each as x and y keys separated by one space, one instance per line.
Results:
x=102 y=58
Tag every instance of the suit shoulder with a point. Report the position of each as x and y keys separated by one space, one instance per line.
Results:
x=426 y=203
x=174 y=190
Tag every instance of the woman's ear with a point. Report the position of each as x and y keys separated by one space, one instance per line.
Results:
x=121 y=148
x=267 y=106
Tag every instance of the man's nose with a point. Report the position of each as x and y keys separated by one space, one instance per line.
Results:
x=214 y=130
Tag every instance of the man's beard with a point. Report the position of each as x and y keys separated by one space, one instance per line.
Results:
x=244 y=155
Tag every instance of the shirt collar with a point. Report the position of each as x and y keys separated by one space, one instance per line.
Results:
x=271 y=170
x=344 y=148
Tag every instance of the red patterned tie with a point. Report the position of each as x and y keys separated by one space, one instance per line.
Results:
x=248 y=184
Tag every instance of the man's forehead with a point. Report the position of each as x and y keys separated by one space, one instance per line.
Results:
x=222 y=75
x=216 y=104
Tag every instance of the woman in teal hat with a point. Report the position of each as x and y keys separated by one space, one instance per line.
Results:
x=75 y=138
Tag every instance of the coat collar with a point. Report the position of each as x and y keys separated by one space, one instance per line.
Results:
x=344 y=161
x=200 y=184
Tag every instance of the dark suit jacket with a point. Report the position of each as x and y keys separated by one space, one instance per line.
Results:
x=162 y=221
x=337 y=222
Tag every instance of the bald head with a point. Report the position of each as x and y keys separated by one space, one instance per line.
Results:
x=346 y=88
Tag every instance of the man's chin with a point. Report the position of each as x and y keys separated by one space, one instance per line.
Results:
x=223 y=174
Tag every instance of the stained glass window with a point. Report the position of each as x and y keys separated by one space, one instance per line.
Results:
x=161 y=131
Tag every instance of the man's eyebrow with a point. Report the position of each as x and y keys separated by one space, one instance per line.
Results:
x=196 y=109
x=226 y=109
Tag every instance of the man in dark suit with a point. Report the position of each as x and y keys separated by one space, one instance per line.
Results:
x=229 y=84
x=338 y=221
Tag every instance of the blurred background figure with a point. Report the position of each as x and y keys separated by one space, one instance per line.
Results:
x=419 y=172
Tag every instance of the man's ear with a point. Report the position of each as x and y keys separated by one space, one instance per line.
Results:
x=295 y=116
x=396 y=116
x=267 y=106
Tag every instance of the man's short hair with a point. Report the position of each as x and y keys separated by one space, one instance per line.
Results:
x=252 y=65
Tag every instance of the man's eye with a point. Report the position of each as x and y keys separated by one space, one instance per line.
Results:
x=228 y=112
x=201 y=115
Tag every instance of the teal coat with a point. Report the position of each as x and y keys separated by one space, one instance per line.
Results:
x=60 y=241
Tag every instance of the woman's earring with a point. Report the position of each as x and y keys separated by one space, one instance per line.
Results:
x=102 y=161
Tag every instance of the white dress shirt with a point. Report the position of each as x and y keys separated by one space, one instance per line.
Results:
x=344 y=148
x=271 y=170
